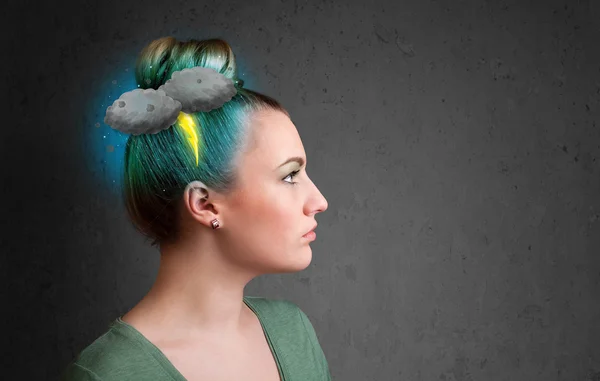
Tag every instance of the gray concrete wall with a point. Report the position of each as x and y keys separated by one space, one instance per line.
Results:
x=457 y=143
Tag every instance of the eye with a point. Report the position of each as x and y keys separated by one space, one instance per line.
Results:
x=292 y=175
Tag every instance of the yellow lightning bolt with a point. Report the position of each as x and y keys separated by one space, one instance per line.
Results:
x=187 y=124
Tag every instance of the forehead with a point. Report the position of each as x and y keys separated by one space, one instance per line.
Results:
x=273 y=138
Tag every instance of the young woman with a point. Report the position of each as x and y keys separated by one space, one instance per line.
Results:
x=225 y=196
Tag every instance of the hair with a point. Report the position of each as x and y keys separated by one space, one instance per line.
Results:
x=159 y=166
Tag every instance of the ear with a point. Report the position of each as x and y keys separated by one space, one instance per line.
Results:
x=197 y=201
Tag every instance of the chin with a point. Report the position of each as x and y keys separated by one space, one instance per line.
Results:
x=304 y=259
x=296 y=263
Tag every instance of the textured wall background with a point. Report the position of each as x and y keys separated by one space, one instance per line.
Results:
x=457 y=143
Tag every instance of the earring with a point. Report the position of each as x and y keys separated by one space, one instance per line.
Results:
x=215 y=224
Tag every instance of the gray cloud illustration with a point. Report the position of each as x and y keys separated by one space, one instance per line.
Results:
x=149 y=111
x=199 y=89
x=142 y=111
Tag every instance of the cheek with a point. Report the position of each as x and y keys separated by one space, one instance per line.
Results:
x=266 y=234
x=274 y=215
x=268 y=218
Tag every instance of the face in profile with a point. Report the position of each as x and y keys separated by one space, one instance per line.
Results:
x=275 y=203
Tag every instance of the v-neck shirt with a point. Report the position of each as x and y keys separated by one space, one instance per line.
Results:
x=124 y=353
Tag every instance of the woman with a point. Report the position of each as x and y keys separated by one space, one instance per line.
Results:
x=215 y=192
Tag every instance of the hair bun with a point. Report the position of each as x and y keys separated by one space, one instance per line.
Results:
x=161 y=57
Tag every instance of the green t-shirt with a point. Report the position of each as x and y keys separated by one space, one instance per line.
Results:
x=123 y=353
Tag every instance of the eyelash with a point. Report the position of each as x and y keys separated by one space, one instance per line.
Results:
x=292 y=176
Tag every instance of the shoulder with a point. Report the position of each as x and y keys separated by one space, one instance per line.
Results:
x=116 y=354
x=294 y=336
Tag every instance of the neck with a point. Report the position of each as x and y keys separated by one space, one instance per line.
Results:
x=196 y=294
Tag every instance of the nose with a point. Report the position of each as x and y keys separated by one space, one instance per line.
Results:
x=317 y=203
x=323 y=204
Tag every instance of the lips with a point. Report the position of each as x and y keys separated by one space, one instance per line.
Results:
x=313 y=228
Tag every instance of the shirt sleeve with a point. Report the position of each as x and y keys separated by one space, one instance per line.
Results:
x=76 y=372
x=319 y=355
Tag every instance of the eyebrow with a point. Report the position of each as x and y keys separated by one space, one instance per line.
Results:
x=297 y=159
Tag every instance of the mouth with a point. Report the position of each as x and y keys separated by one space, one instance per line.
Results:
x=310 y=231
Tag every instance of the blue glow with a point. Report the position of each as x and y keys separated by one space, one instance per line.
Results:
x=107 y=146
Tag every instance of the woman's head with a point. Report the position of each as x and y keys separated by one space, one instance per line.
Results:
x=232 y=158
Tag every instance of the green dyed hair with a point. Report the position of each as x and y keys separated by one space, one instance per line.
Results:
x=159 y=166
